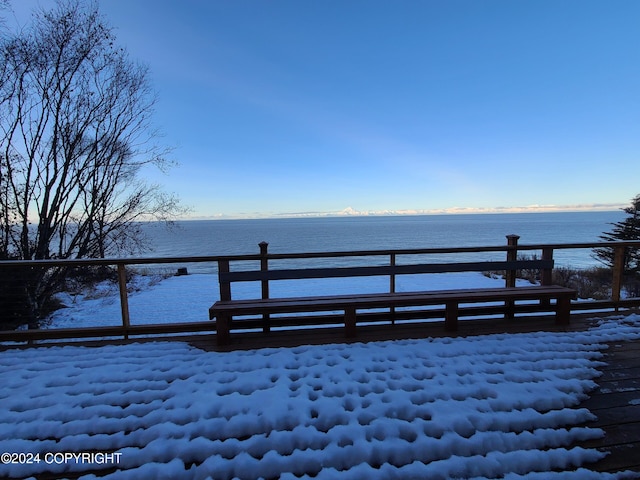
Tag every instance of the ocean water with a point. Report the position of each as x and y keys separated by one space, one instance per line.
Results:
x=294 y=235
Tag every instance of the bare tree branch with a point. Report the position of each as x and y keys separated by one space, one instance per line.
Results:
x=75 y=130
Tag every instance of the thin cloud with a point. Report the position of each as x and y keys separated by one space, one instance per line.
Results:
x=352 y=212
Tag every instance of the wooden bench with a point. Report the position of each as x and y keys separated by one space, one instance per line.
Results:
x=225 y=309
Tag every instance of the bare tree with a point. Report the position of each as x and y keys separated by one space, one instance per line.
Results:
x=75 y=133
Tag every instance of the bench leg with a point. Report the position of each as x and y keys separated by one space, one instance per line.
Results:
x=509 y=310
x=563 y=311
x=451 y=317
x=222 y=329
x=350 y=322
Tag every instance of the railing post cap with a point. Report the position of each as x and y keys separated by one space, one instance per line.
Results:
x=512 y=240
x=263 y=243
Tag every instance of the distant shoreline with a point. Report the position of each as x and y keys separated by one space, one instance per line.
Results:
x=351 y=213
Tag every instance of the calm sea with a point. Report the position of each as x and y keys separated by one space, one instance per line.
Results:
x=287 y=235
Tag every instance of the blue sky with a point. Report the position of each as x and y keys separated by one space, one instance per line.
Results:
x=280 y=107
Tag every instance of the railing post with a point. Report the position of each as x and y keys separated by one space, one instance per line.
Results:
x=264 y=266
x=546 y=276
x=392 y=285
x=124 y=300
x=510 y=275
x=225 y=287
x=223 y=323
x=512 y=255
x=618 y=273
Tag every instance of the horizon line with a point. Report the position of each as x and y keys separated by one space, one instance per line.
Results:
x=351 y=212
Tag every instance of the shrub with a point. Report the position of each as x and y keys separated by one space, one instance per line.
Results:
x=533 y=275
x=592 y=282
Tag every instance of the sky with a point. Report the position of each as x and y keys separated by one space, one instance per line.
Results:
x=290 y=107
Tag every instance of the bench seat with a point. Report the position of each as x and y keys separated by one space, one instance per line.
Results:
x=223 y=311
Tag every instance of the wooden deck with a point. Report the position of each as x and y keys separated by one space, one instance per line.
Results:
x=613 y=402
x=616 y=401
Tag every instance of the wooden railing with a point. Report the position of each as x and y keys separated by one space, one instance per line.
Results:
x=264 y=259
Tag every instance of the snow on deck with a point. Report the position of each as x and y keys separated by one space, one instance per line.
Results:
x=494 y=406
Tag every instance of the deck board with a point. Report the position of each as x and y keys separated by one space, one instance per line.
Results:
x=616 y=404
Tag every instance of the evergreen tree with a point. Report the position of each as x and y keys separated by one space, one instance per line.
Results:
x=627 y=229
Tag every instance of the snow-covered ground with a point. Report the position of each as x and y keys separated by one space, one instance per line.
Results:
x=498 y=406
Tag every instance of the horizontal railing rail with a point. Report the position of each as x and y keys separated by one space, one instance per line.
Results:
x=309 y=255
x=342 y=272
x=222 y=264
